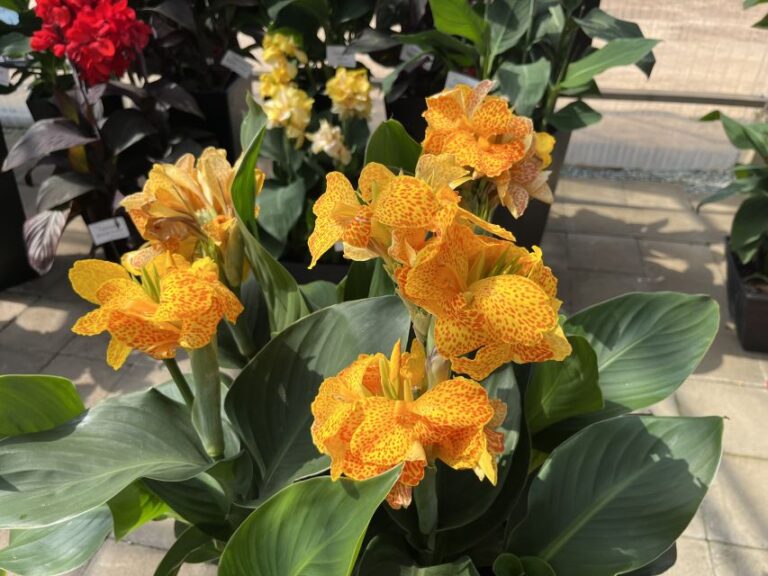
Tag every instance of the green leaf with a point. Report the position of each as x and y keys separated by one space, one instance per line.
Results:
x=560 y=390
x=14 y=45
x=508 y=21
x=551 y=26
x=313 y=527
x=366 y=279
x=762 y=23
x=524 y=84
x=453 y=49
x=458 y=18
x=599 y=24
x=575 y=115
x=749 y=185
x=244 y=185
x=269 y=402
x=281 y=207
x=133 y=507
x=510 y=565
x=743 y=136
x=391 y=145
x=631 y=484
x=53 y=476
x=320 y=294
x=750 y=228
x=615 y=53
x=200 y=500
x=646 y=345
x=752 y=3
x=59 y=548
x=387 y=556
x=255 y=120
x=193 y=543
x=36 y=402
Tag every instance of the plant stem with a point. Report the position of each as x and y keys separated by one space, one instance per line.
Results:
x=206 y=408
x=180 y=381
x=245 y=344
x=425 y=496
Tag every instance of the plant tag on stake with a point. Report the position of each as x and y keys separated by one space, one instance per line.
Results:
x=337 y=55
x=237 y=64
x=109 y=230
x=410 y=51
x=454 y=78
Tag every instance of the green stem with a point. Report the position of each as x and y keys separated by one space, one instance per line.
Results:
x=180 y=381
x=243 y=338
x=206 y=408
x=425 y=496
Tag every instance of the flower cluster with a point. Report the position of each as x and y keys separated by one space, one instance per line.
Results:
x=100 y=37
x=350 y=93
x=187 y=208
x=286 y=105
x=328 y=139
x=168 y=304
x=378 y=413
x=501 y=149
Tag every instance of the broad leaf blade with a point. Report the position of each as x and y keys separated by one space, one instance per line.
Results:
x=615 y=53
x=42 y=234
x=524 y=84
x=508 y=21
x=632 y=484
x=458 y=18
x=133 y=507
x=750 y=228
x=269 y=402
x=646 y=345
x=59 y=548
x=313 y=527
x=575 y=115
x=44 y=137
x=60 y=189
x=280 y=207
x=391 y=145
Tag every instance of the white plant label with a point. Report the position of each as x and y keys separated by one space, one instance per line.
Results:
x=337 y=55
x=455 y=78
x=410 y=51
x=109 y=230
x=237 y=64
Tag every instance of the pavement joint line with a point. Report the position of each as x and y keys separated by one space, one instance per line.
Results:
x=745 y=456
x=719 y=380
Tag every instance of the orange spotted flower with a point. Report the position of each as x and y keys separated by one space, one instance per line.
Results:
x=487 y=137
x=494 y=302
x=377 y=413
x=187 y=208
x=171 y=304
x=391 y=215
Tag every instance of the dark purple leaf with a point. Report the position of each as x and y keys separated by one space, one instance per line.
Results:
x=179 y=11
x=42 y=234
x=44 y=137
x=124 y=128
x=62 y=188
x=173 y=95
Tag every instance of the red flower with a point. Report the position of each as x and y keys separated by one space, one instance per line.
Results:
x=99 y=37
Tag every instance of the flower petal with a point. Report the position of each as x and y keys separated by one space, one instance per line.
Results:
x=117 y=352
x=87 y=276
x=373 y=178
x=406 y=203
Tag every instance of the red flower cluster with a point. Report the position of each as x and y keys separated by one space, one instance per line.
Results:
x=100 y=37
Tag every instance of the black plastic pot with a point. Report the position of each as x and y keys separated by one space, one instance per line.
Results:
x=14 y=268
x=529 y=229
x=224 y=109
x=748 y=306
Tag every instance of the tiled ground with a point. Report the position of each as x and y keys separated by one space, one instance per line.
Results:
x=604 y=238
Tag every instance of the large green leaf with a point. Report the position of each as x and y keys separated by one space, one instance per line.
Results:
x=36 y=402
x=750 y=227
x=57 y=549
x=646 y=345
x=255 y=120
x=244 y=184
x=743 y=136
x=458 y=18
x=524 y=84
x=133 y=507
x=192 y=544
x=508 y=21
x=388 y=556
x=269 y=402
x=617 y=495
x=391 y=145
x=560 y=390
x=313 y=527
x=615 y=53
x=599 y=24
x=280 y=207
x=575 y=115
x=52 y=476
x=510 y=565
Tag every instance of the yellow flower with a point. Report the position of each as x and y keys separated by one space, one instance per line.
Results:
x=187 y=208
x=350 y=93
x=280 y=75
x=291 y=109
x=391 y=216
x=174 y=304
x=494 y=302
x=487 y=137
x=279 y=46
x=377 y=413
x=328 y=139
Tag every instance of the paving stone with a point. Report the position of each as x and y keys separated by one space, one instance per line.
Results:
x=671 y=226
x=688 y=268
x=94 y=380
x=89 y=347
x=692 y=559
x=145 y=372
x=746 y=428
x=29 y=362
x=43 y=326
x=554 y=245
x=738 y=561
x=719 y=224
x=658 y=195
x=697 y=527
x=590 y=287
x=12 y=304
x=589 y=252
x=123 y=559
x=594 y=219
x=734 y=510
x=55 y=284
x=726 y=361
x=597 y=192
x=667 y=407
x=157 y=534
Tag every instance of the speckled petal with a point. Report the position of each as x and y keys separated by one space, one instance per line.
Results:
x=87 y=276
x=406 y=203
x=373 y=178
x=117 y=353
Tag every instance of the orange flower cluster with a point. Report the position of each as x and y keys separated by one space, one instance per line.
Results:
x=377 y=413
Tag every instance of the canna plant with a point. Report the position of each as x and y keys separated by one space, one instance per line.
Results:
x=458 y=426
